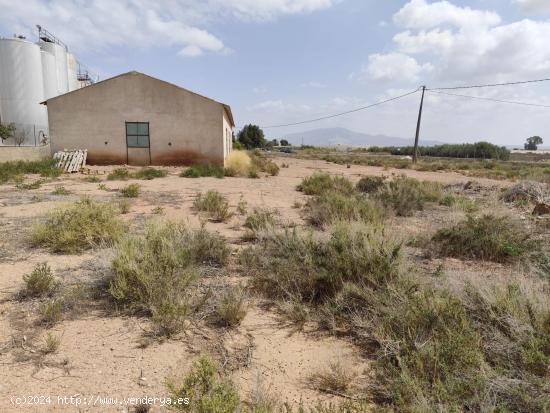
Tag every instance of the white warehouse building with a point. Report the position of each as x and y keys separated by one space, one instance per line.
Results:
x=31 y=73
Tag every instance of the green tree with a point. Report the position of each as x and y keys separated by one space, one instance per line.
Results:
x=7 y=131
x=284 y=142
x=251 y=136
x=533 y=143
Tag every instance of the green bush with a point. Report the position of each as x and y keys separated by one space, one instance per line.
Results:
x=60 y=190
x=487 y=238
x=130 y=191
x=149 y=173
x=156 y=273
x=214 y=204
x=319 y=183
x=258 y=221
x=45 y=168
x=40 y=282
x=370 y=184
x=333 y=206
x=206 y=390
x=289 y=265
x=92 y=179
x=407 y=195
x=119 y=174
x=203 y=170
x=83 y=225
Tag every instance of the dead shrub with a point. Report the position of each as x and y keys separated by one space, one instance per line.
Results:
x=335 y=379
x=259 y=221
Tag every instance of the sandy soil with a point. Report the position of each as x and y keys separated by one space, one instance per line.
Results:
x=104 y=354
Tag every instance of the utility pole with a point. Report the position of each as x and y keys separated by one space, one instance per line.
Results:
x=415 y=152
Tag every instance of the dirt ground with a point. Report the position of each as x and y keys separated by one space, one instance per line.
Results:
x=104 y=355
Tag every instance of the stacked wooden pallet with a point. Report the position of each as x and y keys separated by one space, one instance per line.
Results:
x=71 y=161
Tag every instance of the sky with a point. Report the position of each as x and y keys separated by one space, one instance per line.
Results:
x=282 y=61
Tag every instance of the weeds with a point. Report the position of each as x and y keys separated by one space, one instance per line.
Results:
x=406 y=195
x=214 y=204
x=83 y=225
x=205 y=389
x=124 y=206
x=260 y=220
x=242 y=206
x=158 y=210
x=459 y=202
x=261 y=163
x=52 y=312
x=45 y=168
x=370 y=184
x=231 y=307
x=332 y=206
x=40 y=282
x=149 y=173
x=130 y=191
x=60 y=190
x=102 y=187
x=156 y=273
x=320 y=183
x=336 y=379
x=485 y=238
x=119 y=174
x=31 y=185
x=93 y=179
x=51 y=344
x=202 y=170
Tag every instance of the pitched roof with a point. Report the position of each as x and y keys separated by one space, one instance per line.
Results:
x=226 y=107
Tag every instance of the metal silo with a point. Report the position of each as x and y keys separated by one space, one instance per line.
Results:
x=22 y=88
x=72 y=72
x=49 y=74
x=60 y=53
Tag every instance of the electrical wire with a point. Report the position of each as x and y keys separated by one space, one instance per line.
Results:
x=342 y=113
x=491 y=85
x=489 y=99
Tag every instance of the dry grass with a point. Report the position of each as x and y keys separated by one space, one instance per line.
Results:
x=238 y=163
x=84 y=224
x=130 y=191
x=214 y=204
x=231 y=307
x=335 y=379
x=156 y=274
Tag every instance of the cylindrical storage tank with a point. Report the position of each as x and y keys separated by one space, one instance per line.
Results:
x=49 y=75
x=71 y=72
x=60 y=54
x=22 y=89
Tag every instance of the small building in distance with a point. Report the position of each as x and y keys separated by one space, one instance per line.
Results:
x=136 y=119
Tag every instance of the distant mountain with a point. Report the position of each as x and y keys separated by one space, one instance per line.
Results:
x=343 y=136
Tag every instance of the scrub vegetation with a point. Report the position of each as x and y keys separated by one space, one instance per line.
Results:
x=214 y=204
x=13 y=169
x=157 y=273
x=82 y=225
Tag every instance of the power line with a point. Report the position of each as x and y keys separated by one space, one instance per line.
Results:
x=341 y=113
x=490 y=99
x=492 y=85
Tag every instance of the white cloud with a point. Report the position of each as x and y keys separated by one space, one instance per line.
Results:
x=419 y=14
x=279 y=106
x=462 y=45
x=394 y=66
x=314 y=85
x=102 y=24
x=534 y=6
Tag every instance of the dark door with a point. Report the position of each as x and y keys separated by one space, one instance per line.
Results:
x=138 y=143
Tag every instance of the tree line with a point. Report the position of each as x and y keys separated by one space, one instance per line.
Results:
x=479 y=150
